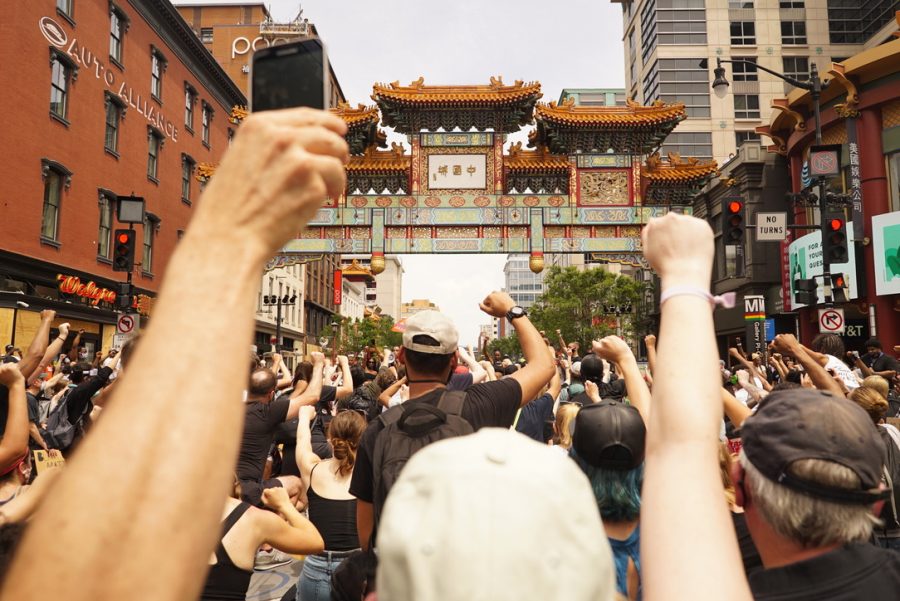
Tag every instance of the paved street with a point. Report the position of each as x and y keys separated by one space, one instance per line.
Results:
x=273 y=584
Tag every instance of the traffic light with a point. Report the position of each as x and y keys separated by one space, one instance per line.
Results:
x=124 y=296
x=123 y=250
x=733 y=222
x=836 y=231
x=805 y=292
x=839 y=288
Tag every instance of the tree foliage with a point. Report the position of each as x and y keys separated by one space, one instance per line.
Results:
x=581 y=305
x=359 y=334
x=508 y=346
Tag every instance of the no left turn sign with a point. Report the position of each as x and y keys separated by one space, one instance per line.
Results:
x=126 y=324
x=831 y=321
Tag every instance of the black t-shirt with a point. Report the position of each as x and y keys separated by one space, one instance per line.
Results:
x=489 y=404
x=534 y=415
x=260 y=422
x=286 y=434
x=613 y=390
x=33 y=408
x=854 y=572
x=884 y=362
x=460 y=381
x=749 y=553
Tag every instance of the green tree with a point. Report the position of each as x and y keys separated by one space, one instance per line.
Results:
x=508 y=345
x=581 y=305
x=362 y=333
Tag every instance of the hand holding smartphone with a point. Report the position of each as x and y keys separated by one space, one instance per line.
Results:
x=290 y=75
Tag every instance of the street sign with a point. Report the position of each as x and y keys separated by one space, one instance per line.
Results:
x=755 y=322
x=119 y=340
x=831 y=321
x=127 y=324
x=771 y=227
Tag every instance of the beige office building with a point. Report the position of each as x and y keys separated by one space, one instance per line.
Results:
x=665 y=41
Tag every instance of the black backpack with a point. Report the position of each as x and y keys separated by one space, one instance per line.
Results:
x=408 y=428
x=60 y=433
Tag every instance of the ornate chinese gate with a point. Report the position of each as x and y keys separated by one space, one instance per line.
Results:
x=583 y=185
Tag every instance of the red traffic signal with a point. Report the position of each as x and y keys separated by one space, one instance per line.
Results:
x=835 y=235
x=123 y=250
x=733 y=221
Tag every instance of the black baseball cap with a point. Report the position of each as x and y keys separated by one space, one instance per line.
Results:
x=610 y=435
x=591 y=368
x=810 y=424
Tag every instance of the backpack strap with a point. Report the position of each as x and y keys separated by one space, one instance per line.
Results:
x=893 y=498
x=452 y=401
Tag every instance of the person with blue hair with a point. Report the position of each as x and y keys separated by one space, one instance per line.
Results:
x=608 y=445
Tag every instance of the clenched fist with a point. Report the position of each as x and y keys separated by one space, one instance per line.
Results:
x=497 y=304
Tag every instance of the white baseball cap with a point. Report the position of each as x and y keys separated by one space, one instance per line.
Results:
x=435 y=325
x=492 y=516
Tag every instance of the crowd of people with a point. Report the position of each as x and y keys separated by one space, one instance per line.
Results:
x=428 y=472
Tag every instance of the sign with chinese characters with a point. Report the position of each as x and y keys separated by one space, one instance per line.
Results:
x=854 y=181
x=457 y=171
x=458 y=139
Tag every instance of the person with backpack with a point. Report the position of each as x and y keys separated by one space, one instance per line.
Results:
x=429 y=353
x=69 y=420
x=887 y=534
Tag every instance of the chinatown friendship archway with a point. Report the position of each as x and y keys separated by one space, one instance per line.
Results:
x=586 y=182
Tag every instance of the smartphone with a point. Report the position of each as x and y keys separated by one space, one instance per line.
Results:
x=290 y=75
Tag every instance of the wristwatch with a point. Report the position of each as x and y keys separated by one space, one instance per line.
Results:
x=515 y=313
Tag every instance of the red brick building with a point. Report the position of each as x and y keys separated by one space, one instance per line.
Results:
x=104 y=98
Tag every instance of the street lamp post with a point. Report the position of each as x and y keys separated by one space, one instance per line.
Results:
x=278 y=301
x=814 y=86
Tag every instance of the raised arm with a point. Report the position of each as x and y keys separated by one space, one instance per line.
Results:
x=478 y=373
x=14 y=443
x=284 y=375
x=73 y=351
x=38 y=346
x=776 y=362
x=52 y=351
x=539 y=368
x=650 y=341
x=287 y=531
x=271 y=181
x=313 y=391
x=385 y=397
x=346 y=388
x=736 y=411
x=614 y=349
x=303 y=454
x=788 y=345
x=682 y=438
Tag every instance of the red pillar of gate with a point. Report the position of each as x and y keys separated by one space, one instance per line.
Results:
x=875 y=202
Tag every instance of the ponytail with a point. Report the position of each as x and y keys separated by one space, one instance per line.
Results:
x=344 y=431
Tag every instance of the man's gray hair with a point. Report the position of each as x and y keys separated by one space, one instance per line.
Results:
x=804 y=519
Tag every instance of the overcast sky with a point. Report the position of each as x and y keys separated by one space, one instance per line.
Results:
x=560 y=43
